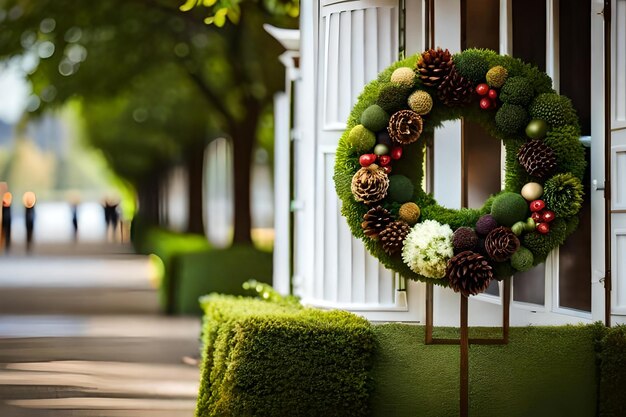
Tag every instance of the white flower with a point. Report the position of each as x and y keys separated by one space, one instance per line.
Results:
x=428 y=248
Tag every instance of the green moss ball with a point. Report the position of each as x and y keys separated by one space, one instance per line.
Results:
x=509 y=208
x=502 y=270
x=400 y=188
x=392 y=97
x=511 y=118
x=496 y=76
x=563 y=194
x=374 y=118
x=420 y=102
x=517 y=90
x=361 y=139
x=570 y=153
x=404 y=76
x=472 y=65
x=523 y=259
x=556 y=110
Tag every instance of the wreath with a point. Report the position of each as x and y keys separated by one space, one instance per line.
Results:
x=379 y=168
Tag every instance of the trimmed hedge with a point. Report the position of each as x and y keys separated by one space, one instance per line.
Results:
x=543 y=371
x=265 y=359
x=612 y=363
x=220 y=270
x=168 y=245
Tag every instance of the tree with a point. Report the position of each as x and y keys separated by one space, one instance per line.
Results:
x=100 y=51
x=143 y=130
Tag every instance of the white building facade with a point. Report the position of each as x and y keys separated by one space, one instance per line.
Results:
x=343 y=46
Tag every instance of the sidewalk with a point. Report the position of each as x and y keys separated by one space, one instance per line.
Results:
x=82 y=336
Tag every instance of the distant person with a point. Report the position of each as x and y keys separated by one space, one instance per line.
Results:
x=74 y=208
x=74 y=200
x=7 y=199
x=4 y=187
x=111 y=216
x=29 y=199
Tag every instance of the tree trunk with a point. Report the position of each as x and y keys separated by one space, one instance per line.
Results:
x=195 y=187
x=148 y=194
x=244 y=139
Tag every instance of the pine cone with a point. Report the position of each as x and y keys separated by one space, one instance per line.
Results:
x=455 y=90
x=501 y=243
x=469 y=273
x=405 y=126
x=393 y=236
x=375 y=221
x=433 y=66
x=537 y=158
x=370 y=184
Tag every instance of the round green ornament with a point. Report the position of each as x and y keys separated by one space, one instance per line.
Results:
x=537 y=129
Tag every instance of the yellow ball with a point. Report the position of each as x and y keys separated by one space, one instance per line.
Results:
x=496 y=76
x=420 y=102
x=404 y=76
x=410 y=213
x=532 y=191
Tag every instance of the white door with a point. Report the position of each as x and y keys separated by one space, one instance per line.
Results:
x=618 y=160
x=543 y=296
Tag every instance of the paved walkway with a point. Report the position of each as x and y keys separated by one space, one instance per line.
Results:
x=82 y=336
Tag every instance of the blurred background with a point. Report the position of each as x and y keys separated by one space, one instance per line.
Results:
x=160 y=107
x=136 y=174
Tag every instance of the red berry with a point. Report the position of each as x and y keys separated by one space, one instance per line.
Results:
x=493 y=94
x=387 y=169
x=547 y=216
x=384 y=160
x=537 y=205
x=543 y=228
x=396 y=152
x=482 y=89
x=536 y=216
x=485 y=103
x=367 y=159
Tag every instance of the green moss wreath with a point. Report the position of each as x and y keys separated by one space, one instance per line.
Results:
x=378 y=168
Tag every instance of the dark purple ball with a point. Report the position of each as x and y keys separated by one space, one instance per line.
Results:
x=464 y=238
x=486 y=224
x=383 y=137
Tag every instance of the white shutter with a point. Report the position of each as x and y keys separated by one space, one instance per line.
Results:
x=353 y=41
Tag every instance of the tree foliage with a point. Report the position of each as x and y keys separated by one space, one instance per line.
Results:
x=156 y=83
x=221 y=11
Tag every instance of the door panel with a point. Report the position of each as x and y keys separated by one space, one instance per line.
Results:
x=618 y=159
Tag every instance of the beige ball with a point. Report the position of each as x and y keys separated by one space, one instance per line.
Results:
x=410 y=213
x=404 y=76
x=532 y=191
x=420 y=102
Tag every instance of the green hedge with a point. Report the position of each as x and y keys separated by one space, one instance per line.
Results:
x=543 y=371
x=612 y=364
x=264 y=359
x=168 y=245
x=220 y=270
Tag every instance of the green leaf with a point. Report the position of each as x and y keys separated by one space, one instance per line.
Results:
x=209 y=3
x=220 y=17
x=189 y=4
x=234 y=13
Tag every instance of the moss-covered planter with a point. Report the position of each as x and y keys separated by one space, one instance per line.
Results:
x=538 y=128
